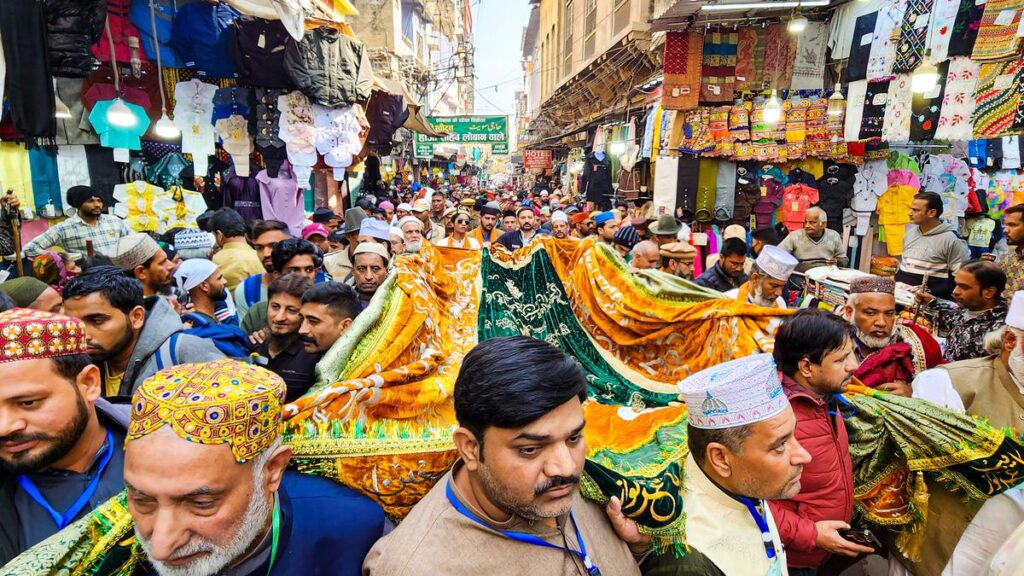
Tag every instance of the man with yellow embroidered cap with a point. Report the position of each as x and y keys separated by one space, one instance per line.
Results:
x=742 y=452
x=60 y=443
x=208 y=489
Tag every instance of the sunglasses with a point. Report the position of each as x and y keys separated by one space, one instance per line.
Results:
x=463 y=222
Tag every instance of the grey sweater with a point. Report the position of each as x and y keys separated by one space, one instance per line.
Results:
x=812 y=253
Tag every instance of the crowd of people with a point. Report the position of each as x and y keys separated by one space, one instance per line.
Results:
x=161 y=365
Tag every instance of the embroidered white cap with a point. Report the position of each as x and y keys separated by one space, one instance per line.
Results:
x=734 y=393
x=776 y=262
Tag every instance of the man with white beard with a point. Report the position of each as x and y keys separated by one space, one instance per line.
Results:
x=768 y=276
x=208 y=489
x=991 y=387
x=412 y=231
x=891 y=353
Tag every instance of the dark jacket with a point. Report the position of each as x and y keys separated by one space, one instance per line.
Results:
x=154 y=351
x=329 y=67
x=257 y=47
x=115 y=418
x=72 y=26
x=326 y=528
x=826 y=486
x=597 y=178
x=716 y=279
x=385 y=114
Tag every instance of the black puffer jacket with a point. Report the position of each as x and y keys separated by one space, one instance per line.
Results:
x=72 y=26
x=329 y=67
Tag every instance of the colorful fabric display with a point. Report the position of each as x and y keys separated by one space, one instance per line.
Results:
x=926 y=107
x=999 y=38
x=883 y=46
x=958 y=100
x=896 y=123
x=965 y=27
x=135 y=204
x=943 y=21
x=779 y=55
x=750 y=58
x=718 y=70
x=683 y=56
x=719 y=127
x=193 y=109
x=739 y=121
x=856 y=96
x=875 y=101
x=913 y=33
x=860 y=49
x=997 y=96
x=178 y=208
x=113 y=136
x=297 y=131
x=809 y=59
x=796 y=199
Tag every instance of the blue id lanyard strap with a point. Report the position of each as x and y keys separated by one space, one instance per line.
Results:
x=762 y=525
x=592 y=570
x=62 y=520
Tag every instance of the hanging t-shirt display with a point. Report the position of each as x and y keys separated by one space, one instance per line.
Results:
x=796 y=199
x=875 y=100
x=926 y=107
x=597 y=177
x=135 y=203
x=835 y=190
x=747 y=193
x=115 y=135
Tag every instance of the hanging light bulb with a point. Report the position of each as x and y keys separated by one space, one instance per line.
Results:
x=926 y=76
x=164 y=128
x=797 y=24
x=118 y=114
x=836 y=102
x=772 y=109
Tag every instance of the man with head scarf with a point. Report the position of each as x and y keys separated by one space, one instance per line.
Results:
x=88 y=224
x=205 y=285
x=209 y=491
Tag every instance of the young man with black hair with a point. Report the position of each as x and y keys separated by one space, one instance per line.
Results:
x=814 y=351
x=727 y=273
x=59 y=439
x=327 y=311
x=931 y=247
x=291 y=255
x=236 y=258
x=1012 y=262
x=526 y=229
x=283 y=349
x=978 y=291
x=130 y=338
x=519 y=403
x=265 y=234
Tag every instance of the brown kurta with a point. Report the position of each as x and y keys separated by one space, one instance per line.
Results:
x=436 y=539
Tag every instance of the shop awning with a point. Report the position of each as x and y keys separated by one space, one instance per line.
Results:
x=416 y=122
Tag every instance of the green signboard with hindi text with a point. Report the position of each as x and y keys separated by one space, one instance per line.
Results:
x=473 y=130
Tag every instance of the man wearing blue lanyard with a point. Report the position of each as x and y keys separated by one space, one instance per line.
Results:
x=511 y=503
x=60 y=444
x=742 y=452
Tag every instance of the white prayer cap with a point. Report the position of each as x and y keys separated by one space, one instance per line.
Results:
x=734 y=393
x=410 y=220
x=776 y=262
x=404 y=206
x=1015 y=316
x=193 y=272
x=559 y=216
x=372 y=248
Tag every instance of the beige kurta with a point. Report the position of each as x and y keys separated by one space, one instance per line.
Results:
x=436 y=539
x=721 y=527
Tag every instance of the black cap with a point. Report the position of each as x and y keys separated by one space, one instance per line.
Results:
x=323 y=215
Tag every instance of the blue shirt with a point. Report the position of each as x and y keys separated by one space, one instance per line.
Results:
x=119 y=136
x=200 y=38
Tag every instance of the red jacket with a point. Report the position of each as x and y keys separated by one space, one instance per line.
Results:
x=826 y=486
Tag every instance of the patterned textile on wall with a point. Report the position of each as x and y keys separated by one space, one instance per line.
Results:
x=718 y=71
x=683 y=55
x=750 y=58
x=896 y=124
x=860 y=50
x=997 y=38
x=873 y=117
x=965 y=27
x=913 y=33
x=779 y=55
x=997 y=98
x=925 y=108
x=883 y=43
x=958 y=101
x=809 y=62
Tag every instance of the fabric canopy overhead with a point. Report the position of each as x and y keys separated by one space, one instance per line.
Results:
x=293 y=13
x=416 y=122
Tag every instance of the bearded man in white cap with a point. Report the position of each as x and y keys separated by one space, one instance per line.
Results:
x=743 y=451
x=768 y=276
x=991 y=387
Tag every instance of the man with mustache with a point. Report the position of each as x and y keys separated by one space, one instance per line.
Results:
x=284 y=350
x=526 y=230
x=327 y=311
x=212 y=495
x=511 y=503
x=743 y=451
x=59 y=440
x=129 y=337
x=891 y=353
x=814 y=352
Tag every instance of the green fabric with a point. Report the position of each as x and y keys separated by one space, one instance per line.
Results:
x=531 y=301
x=24 y=290
x=256 y=318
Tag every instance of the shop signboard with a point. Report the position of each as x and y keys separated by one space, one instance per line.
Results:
x=537 y=159
x=491 y=130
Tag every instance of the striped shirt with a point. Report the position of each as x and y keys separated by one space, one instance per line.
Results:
x=71 y=234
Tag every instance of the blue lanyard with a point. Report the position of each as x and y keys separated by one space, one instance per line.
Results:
x=62 y=520
x=592 y=570
x=762 y=525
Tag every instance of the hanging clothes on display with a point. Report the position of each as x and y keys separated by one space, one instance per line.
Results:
x=999 y=37
x=29 y=85
x=297 y=132
x=193 y=110
x=873 y=115
x=597 y=178
x=234 y=138
x=256 y=47
x=965 y=27
x=329 y=67
x=666 y=182
x=770 y=189
x=896 y=121
x=779 y=54
x=913 y=32
x=136 y=204
x=243 y=195
x=958 y=100
x=178 y=208
x=750 y=58
x=747 y=194
x=796 y=199
x=810 y=57
x=925 y=108
x=718 y=70
x=265 y=125
x=883 y=48
x=725 y=191
x=706 y=188
x=282 y=199
x=997 y=98
x=687 y=185
x=835 y=191
x=200 y=38
x=114 y=136
x=860 y=50
x=682 y=69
